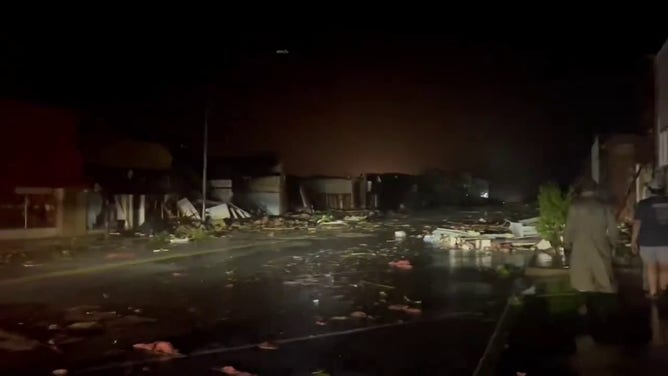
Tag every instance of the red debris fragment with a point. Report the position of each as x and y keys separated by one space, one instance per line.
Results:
x=412 y=311
x=397 y=307
x=401 y=264
x=158 y=347
x=229 y=370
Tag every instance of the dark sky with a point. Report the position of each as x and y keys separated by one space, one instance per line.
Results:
x=517 y=106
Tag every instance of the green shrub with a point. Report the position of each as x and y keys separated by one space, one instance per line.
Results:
x=553 y=207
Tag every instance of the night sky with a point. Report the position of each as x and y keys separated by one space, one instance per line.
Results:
x=515 y=106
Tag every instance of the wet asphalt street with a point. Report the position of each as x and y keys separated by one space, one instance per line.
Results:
x=330 y=304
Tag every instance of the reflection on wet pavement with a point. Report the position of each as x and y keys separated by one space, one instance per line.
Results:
x=249 y=296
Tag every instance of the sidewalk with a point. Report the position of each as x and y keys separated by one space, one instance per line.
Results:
x=616 y=336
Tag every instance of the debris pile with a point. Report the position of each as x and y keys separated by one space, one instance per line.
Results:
x=484 y=235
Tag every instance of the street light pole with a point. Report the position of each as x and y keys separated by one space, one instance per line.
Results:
x=205 y=157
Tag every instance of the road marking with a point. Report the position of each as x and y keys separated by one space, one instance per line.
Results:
x=116 y=265
x=492 y=340
x=221 y=350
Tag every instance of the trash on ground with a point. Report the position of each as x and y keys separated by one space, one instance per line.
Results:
x=400 y=235
x=543 y=259
x=229 y=370
x=85 y=325
x=16 y=342
x=358 y=315
x=543 y=245
x=160 y=250
x=120 y=256
x=397 y=307
x=131 y=320
x=413 y=311
x=88 y=313
x=525 y=228
x=187 y=209
x=225 y=211
x=354 y=218
x=530 y=291
x=268 y=345
x=158 y=347
x=401 y=264
x=179 y=240
x=412 y=301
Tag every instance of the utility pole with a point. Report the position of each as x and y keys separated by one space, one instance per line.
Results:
x=205 y=157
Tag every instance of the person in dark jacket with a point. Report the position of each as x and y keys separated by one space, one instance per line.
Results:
x=650 y=237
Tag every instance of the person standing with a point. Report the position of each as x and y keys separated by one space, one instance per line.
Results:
x=649 y=237
x=590 y=234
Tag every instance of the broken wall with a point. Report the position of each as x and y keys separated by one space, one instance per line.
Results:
x=266 y=194
x=331 y=193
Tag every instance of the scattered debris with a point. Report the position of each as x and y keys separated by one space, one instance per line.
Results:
x=524 y=228
x=179 y=240
x=530 y=291
x=187 y=209
x=160 y=250
x=16 y=342
x=397 y=307
x=400 y=235
x=413 y=311
x=88 y=313
x=85 y=325
x=543 y=259
x=120 y=256
x=359 y=315
x=268 y=345
x=131 y=320
x=225 y=211
x=354 y=218
x=158 y=347
x=229 y=370
x=401 y=265
x=543 y=245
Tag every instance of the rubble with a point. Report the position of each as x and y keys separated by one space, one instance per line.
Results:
x=524 y=228
x=85 y=325
x=401 y=264
x=488 y=236
x=15 y=342
x=229 y=370
x=158 y=347
x=358 y=315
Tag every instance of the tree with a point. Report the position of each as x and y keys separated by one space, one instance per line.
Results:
x=553 y=207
